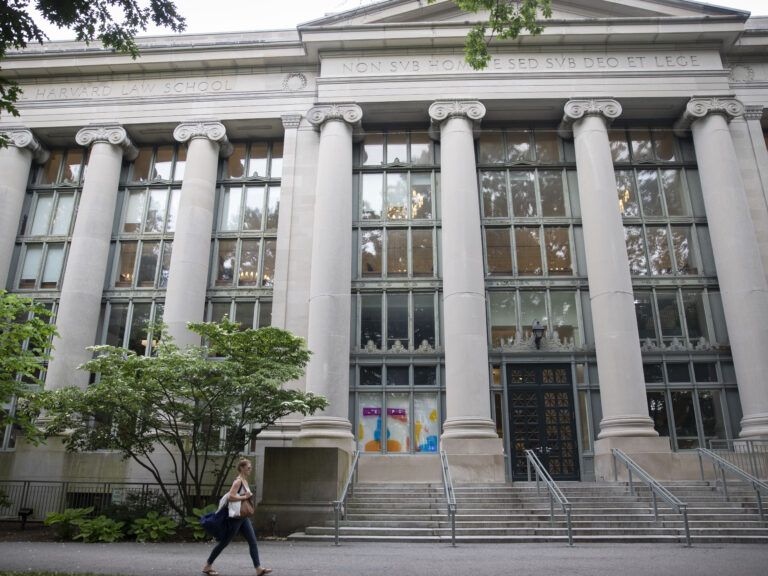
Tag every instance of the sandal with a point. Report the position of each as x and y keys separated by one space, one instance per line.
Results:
x=210 y=572
x=263 y=571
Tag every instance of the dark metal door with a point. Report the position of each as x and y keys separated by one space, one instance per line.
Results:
x=541 y=417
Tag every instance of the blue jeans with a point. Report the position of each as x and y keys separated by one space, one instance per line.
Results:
x=244 y=527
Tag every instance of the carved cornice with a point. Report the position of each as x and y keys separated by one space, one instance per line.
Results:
x=442 y=110
x=700 y=107
x=21 y=137
x=753 y=111
x=212 y=130
x=111 y=134
x=291 y=121
x=575 y=110
x=318 y=115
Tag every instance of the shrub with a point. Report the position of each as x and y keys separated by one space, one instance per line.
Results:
x=66 y=523
x=194 y=521
x=153 y=528
x=4 y=500
x=100 y=529
x=137 y=505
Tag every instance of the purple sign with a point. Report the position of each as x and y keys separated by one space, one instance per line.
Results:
x=371 y=411
x=396 y=411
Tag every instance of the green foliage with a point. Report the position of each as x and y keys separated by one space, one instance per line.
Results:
x=100 y=529
x=506 y=20
x=137 y=504
x=153 y=528
x=175 y=403
x=22 y=321
x=194 y=521
x=4 y=500
x=66 y=523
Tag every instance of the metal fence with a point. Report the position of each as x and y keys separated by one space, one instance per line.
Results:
x=51 y=496
x=749 y=455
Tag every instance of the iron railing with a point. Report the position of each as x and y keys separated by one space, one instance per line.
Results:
x=657 y=490
x=727 y=468
x=450 y=494
x=555 y=494
x=340 y=505
x=749 y=455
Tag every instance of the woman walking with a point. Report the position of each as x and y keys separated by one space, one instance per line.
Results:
x=237 y=493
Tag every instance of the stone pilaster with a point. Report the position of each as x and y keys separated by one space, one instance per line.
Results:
x=739 y=268
x=330 y=284
x=188 y=273
x=15 y=163
x=78 y=313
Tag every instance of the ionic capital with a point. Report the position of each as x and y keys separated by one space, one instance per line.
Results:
x=442 y=110
x=212 y=130
x=753 y=111
x=291 y=121
x=21 y=137
x=111 y=134
x=700 y=107
x=575 y=110
x=318 y=115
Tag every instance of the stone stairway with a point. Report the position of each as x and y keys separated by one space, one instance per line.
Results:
x=602 y=512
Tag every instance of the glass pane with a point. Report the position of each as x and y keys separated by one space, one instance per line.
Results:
x=370 y=321
x=633 y=238
x=644 y=315
x=276 y=163
x=532 y=308
x=397 y=150
x=422 y=259
x=268 y=267
x=653 y=373
x=273 y=208
x=421 y=148
x=421 y=195
x=398 y=376
x=498 y=251
x=371 y=252
x=254 y=206
x=523 y=194
x=140 y=172
x=42 y=218
x=265 y=313
x=547 y=148
x=173 y=210
x=586 y=435
x=397 y=196
x=257 y=165
x=225 y=270
x=181 y=164
x=397 y=422
x=528 y=251
x=493 y=186
x=369 y=421
x=648 y=185
x=236 y=162
x=685 y=419
x=63 y=216
x=619 y=146
x=230 y=209
x=166 y=265
x=625 y=184
x=695 y=315
x=31 y=268
x=669 y=315
x=54 y=260
x=642 y=150
x=397 y=252
x=658 y=249
x=672 y=182
x=657 y=410
x=372 y=197
x=220 y=309
x=71 y=172
x=678 y=372
x=126 y=264
x=424 y=376
x=503 y=318
x=397 y=321
x=150 y=253
x=244 y=314
x=705 y=372
x=664 y=141
x=423 y=320
x=163 y=163
x=156 y=211
x=249 y=263
x=565 y=319
x=682 y=242
x=519 y=146
x=134 y=212
x=558 y=245
x=373 y=149
x=50 y=171
x=711 y=409
x=490 y=148
x=118 y=318
x=137 y=341
x=426 y=428
x=551 y=190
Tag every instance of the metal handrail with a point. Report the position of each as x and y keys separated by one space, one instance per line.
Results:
x=749 y=454
x=657 y=490
x=724 y=466
x=450 y=495
x=554 y=491
x=340 y=505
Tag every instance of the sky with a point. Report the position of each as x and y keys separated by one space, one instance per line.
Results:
x=244 y=15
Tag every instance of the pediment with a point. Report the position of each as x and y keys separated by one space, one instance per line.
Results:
x=418 y=11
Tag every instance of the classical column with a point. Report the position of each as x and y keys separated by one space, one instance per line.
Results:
x=330 y=284
x=188 y=273
x=78 y=313
x=468 y=427
x=15 y=162
x=617 y=342
x=737 y=257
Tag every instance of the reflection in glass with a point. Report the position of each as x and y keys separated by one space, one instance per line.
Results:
x=397 y=196
x=493 y=186
x=126 y=265
x=503 y=318
x=532 y=308
x=397 y=149
x=547 y=148
x=236 y=162
x=249 y=263
x=683 y=245
x=397 y=252
x=498 y=251
x=619 y=146
x=558 y=245
x=150 y=253
x=648 y=185
x=669 y=314
x=268 y=267
x=421 y=253
x=225 y=270
x=230 y=209
x=50 y=170
x=254 y=205
x=490 y=148
x=644 y=315
x=29 y=271
x=685 y=419
x=54 y=260
x=528 y=249
x=163 y=163
x=653 y=373
x=155 y=211
x=397 y=320
x=664 y=141
x=166 y=265
x=633 y=238
x=625 y=185
x=276 y=163
x=564 y=316
x=70 y=173
x=140 y=172
x=257 y=164
x=523 y=194
x=173 y=210
x=551 y=192
x=695 y=314
x=660 y=259
x=642 y=150
x=657 y=410
x=711 y=409
x=370 y=320
x=118 y=320
x=373 y=149
x=373 y=199
x=672 y=182
x=134 y=212
x=519 y=146
x=42 y=217
x=273 y=207
x=371 y=252
x=421 y=148
x=423 y=320
x=181 y=164
x=421 y=195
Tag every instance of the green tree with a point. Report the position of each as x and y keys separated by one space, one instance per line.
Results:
x=25 y=341
x=506 y=20
x=114 y=22
x=172 y=406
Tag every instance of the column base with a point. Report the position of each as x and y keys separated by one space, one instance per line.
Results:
x=754 y=427
x=627 y=426
x=475 y=451
x=654 y=455
x=325 y=432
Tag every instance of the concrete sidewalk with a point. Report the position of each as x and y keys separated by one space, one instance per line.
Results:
x=290 y=558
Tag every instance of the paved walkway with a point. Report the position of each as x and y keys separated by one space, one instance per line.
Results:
x=289 y=559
